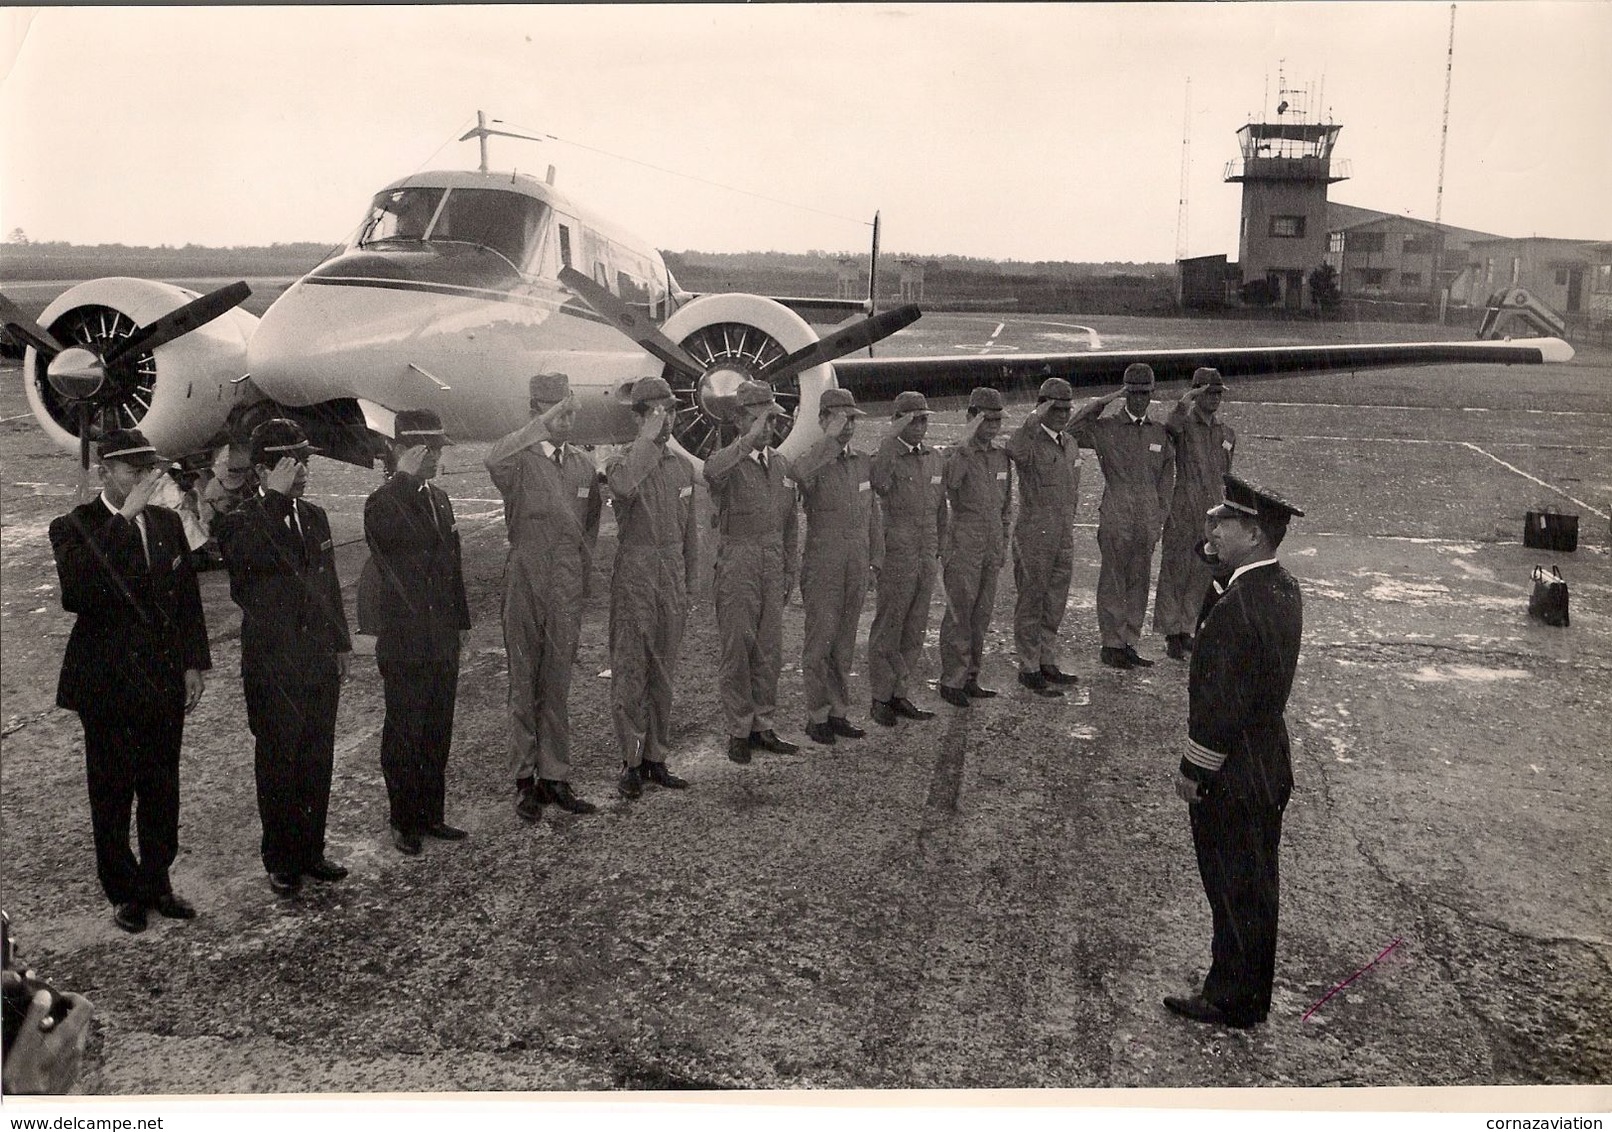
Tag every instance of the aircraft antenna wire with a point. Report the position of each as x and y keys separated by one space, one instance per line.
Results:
x=701 y=180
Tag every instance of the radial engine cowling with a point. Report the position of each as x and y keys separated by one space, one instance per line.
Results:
x=178 y=394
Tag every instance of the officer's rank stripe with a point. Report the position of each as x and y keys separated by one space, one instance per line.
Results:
x=1199 y=755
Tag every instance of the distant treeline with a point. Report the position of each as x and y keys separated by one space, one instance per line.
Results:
x=948 y=282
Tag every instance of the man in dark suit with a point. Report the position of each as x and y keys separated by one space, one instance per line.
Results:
x=294 y=651
x=423 y=619
x=132 y=670
x=1236 y=775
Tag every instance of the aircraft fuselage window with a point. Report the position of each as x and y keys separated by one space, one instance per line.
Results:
x=402 y=214
x=508 y=223
x=565 y=246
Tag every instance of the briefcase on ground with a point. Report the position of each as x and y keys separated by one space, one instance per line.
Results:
x=1550 y=530
x=1548 y=602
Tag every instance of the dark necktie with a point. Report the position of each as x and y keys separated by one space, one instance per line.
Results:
x=559 y=457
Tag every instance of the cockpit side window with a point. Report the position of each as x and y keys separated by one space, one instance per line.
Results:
x=401 y=215
x=509 y=223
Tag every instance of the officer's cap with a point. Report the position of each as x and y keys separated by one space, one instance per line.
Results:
x=1210 y=378
x=275 y=439
x=647 y=390
x=1138 y=378
x=420 y=426
x=549 y=388
x=911 y=401
x=754 y=395
x=129 y=445
x=1056 y=389
x=839 y=400
x=1248 y=501
x=988 y=401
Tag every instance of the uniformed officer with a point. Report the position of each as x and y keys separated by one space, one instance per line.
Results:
x=979 y=494
x=1138 y=463
x=551 y=514
x=837 y=492
x=295 y=650
x=1236 y=775
x=423 y=623
x=657 y=555
x=1048 y=463
x=908 y=480
x=755 y=517
x=132 y=670
x=1203 y=452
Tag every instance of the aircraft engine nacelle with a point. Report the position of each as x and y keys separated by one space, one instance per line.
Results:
x=735 y=337
x=178 y=394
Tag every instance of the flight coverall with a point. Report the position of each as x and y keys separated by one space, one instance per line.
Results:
x=1203 y=452
x=1043 y=539
x=909 y=482
x=551 y=512
x=980 y=494
x=657 y=554
x=837 y=491
x=1138 y=463
x=755 y=518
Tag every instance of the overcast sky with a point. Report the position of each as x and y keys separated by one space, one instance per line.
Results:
x=1006 y=131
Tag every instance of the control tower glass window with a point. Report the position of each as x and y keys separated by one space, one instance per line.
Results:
x=505 y=222
x=1287 y=226
x=402 y=215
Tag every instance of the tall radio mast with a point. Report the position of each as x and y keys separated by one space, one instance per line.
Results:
x=1186 y=166
x=1437 y=282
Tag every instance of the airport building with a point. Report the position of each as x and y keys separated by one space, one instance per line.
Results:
x=1560 y=273
x=1383 y=256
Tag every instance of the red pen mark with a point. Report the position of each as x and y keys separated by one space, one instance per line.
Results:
x=1351 y=978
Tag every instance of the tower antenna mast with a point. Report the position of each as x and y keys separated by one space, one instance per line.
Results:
x=1186 y=166
x=1438 y=199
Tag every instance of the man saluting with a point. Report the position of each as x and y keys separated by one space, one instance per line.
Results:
x=132 y=670
x=1236 y=775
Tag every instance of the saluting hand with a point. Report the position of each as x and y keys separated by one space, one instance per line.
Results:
x=756 y=434
x=898 y=423
x=283 y=476
x=562 y=413
x=412 y=459
x=652 y=424
x=971 y=427
x=140 y=494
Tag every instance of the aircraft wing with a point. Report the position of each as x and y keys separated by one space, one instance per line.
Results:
x=881 y=378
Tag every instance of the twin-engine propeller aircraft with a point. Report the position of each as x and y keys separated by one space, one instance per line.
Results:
x=458 y=286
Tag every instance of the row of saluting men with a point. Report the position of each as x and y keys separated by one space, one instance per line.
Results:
x=137 y=653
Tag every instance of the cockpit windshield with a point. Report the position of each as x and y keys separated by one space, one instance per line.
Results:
x=401 y=215
x=508 y=223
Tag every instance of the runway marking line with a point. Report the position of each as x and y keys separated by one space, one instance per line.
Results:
x=1380 y=956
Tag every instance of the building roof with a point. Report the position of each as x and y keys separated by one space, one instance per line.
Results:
x=1344 y=217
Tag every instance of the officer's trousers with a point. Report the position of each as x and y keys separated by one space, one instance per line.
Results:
x=900 y=619
x=295 y=729
x=541 y=631
x=1043 y=564
x=833 y=588
x=750 y=588
x=1126 y=546
x=970 y=581
x=420 y=694
x=131 y=755
x=1237 y=842
x=648 y=610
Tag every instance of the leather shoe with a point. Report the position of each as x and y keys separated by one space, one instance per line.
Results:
x=285 y=883
x=1200 y=1009
x=905 y=707
x=407 y=843
x=820 y=733
x=130 y=916
x=768 y=741
x=530 y=804
x=845 y=729
x=1177 y=646
x=883 y=714
x=1137 y=659
x=660 y=776
x=1116 y=658
x=559 y=794
x=325 y=870
x=442 y=831
x=739 y=749
x=1055 y=675
x=973 y=690
x=1037 y=683
x=174 y=907
x=954 y=696
x=631 y=782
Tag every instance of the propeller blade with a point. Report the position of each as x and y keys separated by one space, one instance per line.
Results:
x=634 y=325
x=84 y=436
x=842 y=342
x=177 y=323
x=27 y=330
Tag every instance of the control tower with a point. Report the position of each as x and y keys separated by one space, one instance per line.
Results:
x=1285 y=168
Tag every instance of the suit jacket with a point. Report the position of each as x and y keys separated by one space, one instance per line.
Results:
x=1243 y=662
x=139 y=626
x=418 y=598
x=292 y=620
